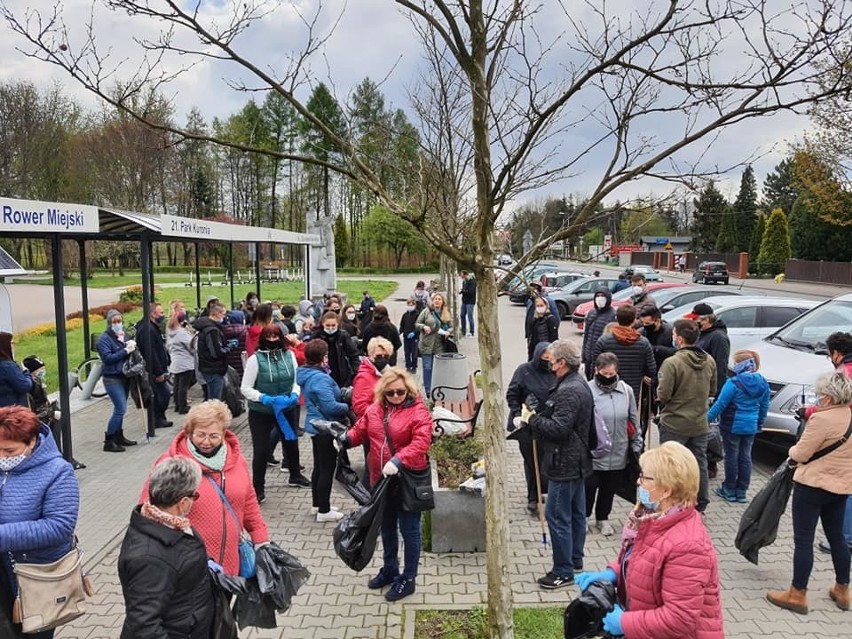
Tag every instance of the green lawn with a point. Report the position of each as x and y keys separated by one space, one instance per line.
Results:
x=530 y=623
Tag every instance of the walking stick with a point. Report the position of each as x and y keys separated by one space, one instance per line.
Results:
x=144 y=409
x=539 y=505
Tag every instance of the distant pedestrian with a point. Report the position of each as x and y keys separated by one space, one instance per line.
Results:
x=212 y=351
x=113 y=349
x=149 y=338
x=541 y=327
x=181 y=349
x=434 y=325
x=235 y=334
x=421 y=295
x=408 y=331
x=468 y=302
x=621 y=284
x=15 y=382
x=381 y=326
x=601 y=314
x=365 y=312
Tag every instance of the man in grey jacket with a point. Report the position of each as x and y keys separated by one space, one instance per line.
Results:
x=686 y=382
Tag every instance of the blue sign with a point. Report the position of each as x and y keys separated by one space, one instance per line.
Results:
x=661 y=240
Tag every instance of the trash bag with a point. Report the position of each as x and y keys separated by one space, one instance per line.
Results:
x=140 y=390
x=759 y=523
x=714 y=445
x=323 y=427
x=224 y=587
x=279 y=575
x=254 y=608
x=134 y=364
x=356 y=534
x=350 y=480
x=583 y=618
x=231 y=392
x=627 y=484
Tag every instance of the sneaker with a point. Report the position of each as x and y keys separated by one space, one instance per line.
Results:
x=272 y=461
x=606 y=529
x=742 y=499
x=552 y=582
x=331 y=515
x=400 y=588
x=315 y=509
x=299 y=481
x=824 y=547
x=261 y=498
x=286 y=469
x=724 y=494
x=384 y=578
x=532 y=508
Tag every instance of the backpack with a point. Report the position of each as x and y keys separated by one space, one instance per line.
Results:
x=603 y=447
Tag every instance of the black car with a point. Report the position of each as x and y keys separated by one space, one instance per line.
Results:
x=707 y=272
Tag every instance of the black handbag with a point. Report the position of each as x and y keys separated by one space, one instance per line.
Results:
x=450 y=345
x=416 y=492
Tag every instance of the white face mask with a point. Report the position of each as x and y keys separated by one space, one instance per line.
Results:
x=539 y=310
x=600 y=302
x=9 y=463
x=350 y=316
x=638 y=290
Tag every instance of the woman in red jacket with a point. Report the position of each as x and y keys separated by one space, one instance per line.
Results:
x=206 y=440
x=397 y=408
x=261 y=318
x=667 y=574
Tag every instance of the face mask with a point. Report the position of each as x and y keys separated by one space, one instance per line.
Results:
x=181 y=317
x=380 y=363
x=600 y=302
x=638 y=290
x=350 y=316
x=9 y=463
x=539 y=311
x=412 y=307
x=40 y=375
x=269 y=345
x=674 y=343
x=159 y=319
x=219 y=321
x=276 y=313
x=605 y=381
x=544 y=365
x=117 y=328
x=645 y=497
x=330 y=331
x=253 y=303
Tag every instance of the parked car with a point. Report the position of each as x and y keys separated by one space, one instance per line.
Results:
x=622 y=297
x=749 y=318
x=504 y=259
x=650 y=273
x=671 y=298
x=711 y=272
x=549 y=282
x=791 y=359
x=528 y=274
x=568 y=297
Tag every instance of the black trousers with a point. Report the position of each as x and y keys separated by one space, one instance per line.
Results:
x=325 y=463
x=182 y=383
x=261 y=426
x=603 y=484
x=526 y=447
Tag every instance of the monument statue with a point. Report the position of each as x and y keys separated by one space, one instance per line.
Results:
x=323 y=264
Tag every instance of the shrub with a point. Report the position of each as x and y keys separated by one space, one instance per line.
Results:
x=134 y=294
x=453 y=458
x=101 y=311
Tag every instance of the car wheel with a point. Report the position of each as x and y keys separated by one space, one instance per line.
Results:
x=704 y=280
x=564 y=311
x=725 y=281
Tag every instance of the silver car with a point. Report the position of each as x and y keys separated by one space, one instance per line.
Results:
x=791 y=359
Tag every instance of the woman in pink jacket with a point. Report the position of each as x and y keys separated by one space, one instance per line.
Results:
x=666 y=575
x=398 y=408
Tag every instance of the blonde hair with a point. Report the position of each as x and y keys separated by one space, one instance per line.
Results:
x=445 y=312
x=390 y=376
x=379 y=342
x=743 y=354
x=673 y=468
x=212 y=411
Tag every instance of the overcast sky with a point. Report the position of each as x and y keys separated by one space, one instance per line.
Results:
x=373 y=38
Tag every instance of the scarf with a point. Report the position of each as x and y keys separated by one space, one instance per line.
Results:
x=177 y=522
x=216 y=462
x=636 y=518
x=625 y=334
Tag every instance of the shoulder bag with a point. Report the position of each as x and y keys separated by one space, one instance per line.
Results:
x=416 y=492
x=50 y=595
x=246 y=546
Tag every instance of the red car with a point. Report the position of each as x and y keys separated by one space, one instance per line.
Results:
x=622 y=297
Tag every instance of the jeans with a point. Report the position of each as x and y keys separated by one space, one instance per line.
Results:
x=566 y=519
x=847 y=522
x=325 y=462
x=603 y=484
x=161 y=399
x=117 y=389
x=809 y=505
x=467 y=314
x=428 y=361
x=215 y=385
x=698 y=447
x=409 y=528
x=410 y=346
x=737 y=463
x=261 y=426
x=182 y=383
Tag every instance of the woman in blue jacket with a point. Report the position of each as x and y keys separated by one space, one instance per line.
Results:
x=323 y=402
x=41 y=499
x=113 y=350
x=741 y=409
x=15 y=383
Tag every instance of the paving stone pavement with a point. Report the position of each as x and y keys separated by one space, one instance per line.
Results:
x=336 y=603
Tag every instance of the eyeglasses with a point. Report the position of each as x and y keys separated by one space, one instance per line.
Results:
x=396 y=392
x=212 y=438
x=195 y=496
x=643 y=478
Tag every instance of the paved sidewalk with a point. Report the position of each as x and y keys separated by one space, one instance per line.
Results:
x=336 y=603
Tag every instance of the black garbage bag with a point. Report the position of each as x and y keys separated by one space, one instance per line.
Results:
x=324 y=427
x=583 y=617
x=627 y=480
x=253 y=608
x=355 y=535
x=350 y=480
x=759 y=523
x=224 y=587
x=231 y=394
x=279 y=575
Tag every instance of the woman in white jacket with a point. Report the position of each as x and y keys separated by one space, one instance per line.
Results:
x=182 y=353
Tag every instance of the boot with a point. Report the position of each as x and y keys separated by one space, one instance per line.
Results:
x=111 y=445
x=839 y=594
x=791 y=599
x=122 y=440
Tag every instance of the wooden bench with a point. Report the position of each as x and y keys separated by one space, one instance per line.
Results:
x=467 y=409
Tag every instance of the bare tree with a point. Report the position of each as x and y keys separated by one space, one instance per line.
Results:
x=623 y=92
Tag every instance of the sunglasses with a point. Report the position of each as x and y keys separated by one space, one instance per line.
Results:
x=396 y=392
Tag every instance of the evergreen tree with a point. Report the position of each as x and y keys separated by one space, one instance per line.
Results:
x=779 y=187
x=710 y=207
x=745 y=210
x=775 y=245
x=754 y=245
x=814 y=238
x=727 y=240
x=342 y=246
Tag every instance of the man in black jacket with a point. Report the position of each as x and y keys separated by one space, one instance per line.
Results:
x=149 y=340
x=636 y=365
x=212 y=351
x=659 y=333
x=531 y=384
x=468 y=302
x=565 y=427
x=714 y=341
x=602 y=313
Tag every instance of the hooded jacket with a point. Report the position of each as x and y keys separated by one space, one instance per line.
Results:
x=714 y=341
x=541 y=328
x=742 y=405
x=305 y=307
x=112 y=353
x=594 y=324
x=210 y=347
x=181 y=351
x=529 y=379
x=634 y=352
x=322 y=397
x=685 y=382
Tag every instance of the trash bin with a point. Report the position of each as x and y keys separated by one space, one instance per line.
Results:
x=450 y=369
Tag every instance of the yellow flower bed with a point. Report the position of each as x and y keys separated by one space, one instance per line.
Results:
x=49 y=328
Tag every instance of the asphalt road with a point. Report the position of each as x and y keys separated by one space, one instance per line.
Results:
x=33 y=304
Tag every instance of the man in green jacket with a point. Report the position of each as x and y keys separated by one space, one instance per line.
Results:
x=685 y=383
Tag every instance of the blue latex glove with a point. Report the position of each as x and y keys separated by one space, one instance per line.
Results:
x=233 y=343
x=214 y=567
x=410 y=335
x=585 y=579
x=612 y=621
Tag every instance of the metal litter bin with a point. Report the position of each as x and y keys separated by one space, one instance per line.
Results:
x=450 y=369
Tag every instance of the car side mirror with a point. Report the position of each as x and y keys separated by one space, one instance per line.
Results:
x=666 y=308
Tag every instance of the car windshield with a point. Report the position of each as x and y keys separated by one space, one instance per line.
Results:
x=811 y=329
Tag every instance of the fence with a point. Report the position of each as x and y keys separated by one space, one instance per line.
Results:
x=823 y=272
x=661 y=260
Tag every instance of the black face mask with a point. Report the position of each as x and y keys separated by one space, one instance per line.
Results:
x=544 y=365
x=605 y=381
x=268 y=345
x=380 y=363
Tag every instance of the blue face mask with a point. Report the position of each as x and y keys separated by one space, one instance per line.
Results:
x=674 y=344
x=645 y=497
x=117 y=328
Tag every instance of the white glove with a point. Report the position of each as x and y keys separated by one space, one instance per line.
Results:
x=130 y=346
x=443 y=332
x=516 y=421
x=526 y=413
x=390 y=469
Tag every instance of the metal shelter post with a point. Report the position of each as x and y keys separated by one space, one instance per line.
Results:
x=197 y=277
x=306 y=270
x=62 y=349
x=147 y=297
x=257 y=268
x=84 y=292
x=231 y=270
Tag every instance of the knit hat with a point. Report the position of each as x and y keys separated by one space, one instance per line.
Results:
x=33 y=363
x=110 y=314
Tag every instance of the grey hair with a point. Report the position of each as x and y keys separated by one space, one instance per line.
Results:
x=172 y=479
x=606 y=359
x=566 y=351
x=215 y=309
x=837 y=386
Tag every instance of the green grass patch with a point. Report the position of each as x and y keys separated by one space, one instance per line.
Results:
x=530 y=623
x=453 y=458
